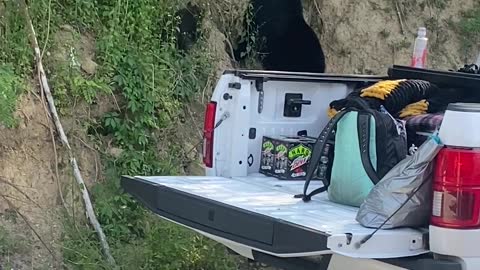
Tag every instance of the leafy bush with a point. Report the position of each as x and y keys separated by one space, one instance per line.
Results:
x=137 y=57
x=14 y=43
x=138 y=62
x=70 y=86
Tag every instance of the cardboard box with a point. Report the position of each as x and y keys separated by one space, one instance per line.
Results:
x=267 y=156
x=291 y=156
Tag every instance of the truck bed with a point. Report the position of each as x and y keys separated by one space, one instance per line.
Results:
x=257 y=216
x=261 y=213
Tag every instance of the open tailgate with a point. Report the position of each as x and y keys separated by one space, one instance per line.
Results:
x=261 y=213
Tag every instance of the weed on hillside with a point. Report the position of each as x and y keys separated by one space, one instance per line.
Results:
x=9 y=245
x=469 y=28
x=138 y=63
x=10 y=89
x=138 y=59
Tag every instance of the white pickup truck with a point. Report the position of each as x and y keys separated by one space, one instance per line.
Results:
x=257 y=216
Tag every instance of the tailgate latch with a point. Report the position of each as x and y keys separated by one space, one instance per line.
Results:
x=293 y=105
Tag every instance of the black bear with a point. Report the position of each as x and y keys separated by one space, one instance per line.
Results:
x=187 y=33
x=286 y=42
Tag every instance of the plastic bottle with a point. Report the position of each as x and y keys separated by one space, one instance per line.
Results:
x=419 y=58
x=478 y=60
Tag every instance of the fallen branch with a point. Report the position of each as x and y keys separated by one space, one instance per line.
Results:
x=56 y=176
x=56 y=119
x=95 y=152
x=399 y=14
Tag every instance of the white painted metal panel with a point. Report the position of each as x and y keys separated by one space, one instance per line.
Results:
x=274 y=198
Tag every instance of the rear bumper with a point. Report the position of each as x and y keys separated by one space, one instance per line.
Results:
x=338 y=262
x=334 y=261
x=451 y=242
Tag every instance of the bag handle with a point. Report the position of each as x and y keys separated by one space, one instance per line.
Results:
x=318 y=149
x=360 y=104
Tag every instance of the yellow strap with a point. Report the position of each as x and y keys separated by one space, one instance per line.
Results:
x=331 y=112
x=417 y=108
x=381 y=89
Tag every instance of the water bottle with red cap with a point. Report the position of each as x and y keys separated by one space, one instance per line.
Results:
x=419 y=58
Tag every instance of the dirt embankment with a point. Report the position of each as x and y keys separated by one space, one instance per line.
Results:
x=35 y=175
x=369 y=36
x=363 y=36
x=357 y=36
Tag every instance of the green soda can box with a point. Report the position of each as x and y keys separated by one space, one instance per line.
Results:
x=298 y=151
x=289 y=159
x=267 y=161
x=281 y=158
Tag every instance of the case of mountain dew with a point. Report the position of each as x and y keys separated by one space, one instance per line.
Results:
x=267 y=156
x=291 y=156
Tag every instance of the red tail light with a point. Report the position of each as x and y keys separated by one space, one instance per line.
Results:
x=208 y=130
x=456 y=199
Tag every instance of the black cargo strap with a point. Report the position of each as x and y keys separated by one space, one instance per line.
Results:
x=363 y=126
x=318 y=150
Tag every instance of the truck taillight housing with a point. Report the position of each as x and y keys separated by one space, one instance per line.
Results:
x=208 y=131
x=456 y=197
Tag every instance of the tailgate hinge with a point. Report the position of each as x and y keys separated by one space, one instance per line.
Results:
x=259 y=86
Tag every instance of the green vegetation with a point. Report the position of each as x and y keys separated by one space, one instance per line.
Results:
x=138 y=63
x=71 y=86
x=469 y=27
x=14 y=48
x=9 y=245
x=140 y=240
x=15 y=61
x=10 y=88
x=249 y=37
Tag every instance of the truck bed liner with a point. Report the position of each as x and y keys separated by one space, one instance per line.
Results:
x=261 y=212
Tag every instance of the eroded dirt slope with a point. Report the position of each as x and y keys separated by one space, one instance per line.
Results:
x=369 y=36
